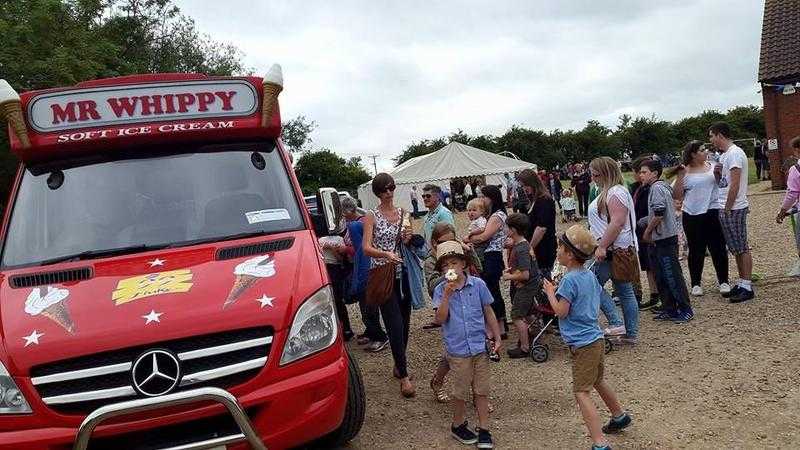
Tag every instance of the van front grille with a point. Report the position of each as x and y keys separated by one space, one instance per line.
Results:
x=224 y=360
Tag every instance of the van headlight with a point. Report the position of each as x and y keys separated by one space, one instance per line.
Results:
x=314 y=328
x=11 y=399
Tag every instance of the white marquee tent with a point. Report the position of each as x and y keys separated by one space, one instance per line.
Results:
x=454 y=160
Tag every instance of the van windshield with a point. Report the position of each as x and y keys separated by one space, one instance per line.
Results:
x=150 y=200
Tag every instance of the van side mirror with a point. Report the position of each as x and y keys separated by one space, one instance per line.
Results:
x=328 y=220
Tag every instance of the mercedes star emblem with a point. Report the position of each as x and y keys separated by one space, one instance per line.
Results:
x=156 y=372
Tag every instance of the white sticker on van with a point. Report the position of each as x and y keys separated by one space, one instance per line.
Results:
x=267 y=215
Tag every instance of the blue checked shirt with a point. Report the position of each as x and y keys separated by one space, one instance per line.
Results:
x=464 y=331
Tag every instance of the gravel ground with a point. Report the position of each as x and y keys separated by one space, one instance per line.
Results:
x=728 y=379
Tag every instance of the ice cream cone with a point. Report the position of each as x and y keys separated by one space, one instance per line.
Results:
x=270 y=102
x=11 y=110
x=242 y=283
x=59 y=314
x=273 y=85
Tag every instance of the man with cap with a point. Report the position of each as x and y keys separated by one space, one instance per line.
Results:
x=577 y=304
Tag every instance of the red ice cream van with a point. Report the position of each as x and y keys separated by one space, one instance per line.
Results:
x=161 y=284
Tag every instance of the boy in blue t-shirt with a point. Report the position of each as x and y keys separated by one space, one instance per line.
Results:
x=577 y=304
x=465 y=312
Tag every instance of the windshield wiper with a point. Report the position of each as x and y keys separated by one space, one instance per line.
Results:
x=231 y=237
x=90 y=254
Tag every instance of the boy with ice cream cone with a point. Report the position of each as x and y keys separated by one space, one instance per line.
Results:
x=465 y=313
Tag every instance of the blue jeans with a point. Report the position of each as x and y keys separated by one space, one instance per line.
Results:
x=630 y=307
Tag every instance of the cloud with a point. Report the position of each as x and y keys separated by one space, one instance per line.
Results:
x=378 y=75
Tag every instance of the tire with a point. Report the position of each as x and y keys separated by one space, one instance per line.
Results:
x=608 y=345
x=540 y=353
x=355 y=410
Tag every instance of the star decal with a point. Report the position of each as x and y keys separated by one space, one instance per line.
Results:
x=33 y=338
x=157 y=262
x=266 y=301
x=152 y=317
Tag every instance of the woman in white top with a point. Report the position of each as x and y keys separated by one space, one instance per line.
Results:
x=697 y=187
x=611 y=222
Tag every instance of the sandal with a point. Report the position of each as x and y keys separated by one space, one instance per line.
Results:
x=439 y=393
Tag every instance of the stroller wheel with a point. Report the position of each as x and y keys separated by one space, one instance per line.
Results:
x=608 y=345
x=540 y=353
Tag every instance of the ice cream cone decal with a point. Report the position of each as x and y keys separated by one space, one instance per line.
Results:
x=11 y=111
x=248 y=274
x=273 y=85
x=52 y=305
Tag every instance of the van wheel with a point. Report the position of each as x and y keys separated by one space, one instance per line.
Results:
x=354 y=411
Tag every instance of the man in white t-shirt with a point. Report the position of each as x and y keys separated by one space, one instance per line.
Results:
x=468 y=191
x=731 y=172
x=415 y=201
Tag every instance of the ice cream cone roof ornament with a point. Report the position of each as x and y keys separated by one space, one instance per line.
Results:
x=11 y=111
x=273 y=85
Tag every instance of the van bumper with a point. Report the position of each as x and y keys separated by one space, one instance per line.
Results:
x=284 y=414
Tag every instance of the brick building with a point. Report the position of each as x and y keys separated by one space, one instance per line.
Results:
x=779 y=75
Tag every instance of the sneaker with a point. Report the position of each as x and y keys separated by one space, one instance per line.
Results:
x=627 y=340
x=377 y=346
x=463 y=434
x=734 y=290
x=615 y=331
x=652 y=303
x=484 y=439
x=665 y=316
x=362 y=339
x=795 y=272
x=517 y=353
x=658 y=309
x=724 y=288
x=697 y=291
x=683 y=317
x=617 y=424
x=742 y=295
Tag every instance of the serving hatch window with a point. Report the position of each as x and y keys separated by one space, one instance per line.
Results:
x=152 y=200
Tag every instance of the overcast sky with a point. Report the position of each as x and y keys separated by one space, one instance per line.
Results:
x=377 y=75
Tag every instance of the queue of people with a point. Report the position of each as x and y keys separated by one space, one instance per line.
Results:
x=630 y=230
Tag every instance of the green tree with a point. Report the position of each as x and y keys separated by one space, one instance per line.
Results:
x=51 y=43
x=420 y=148
x=644 y=135
x=296 y=133
x=325 y=168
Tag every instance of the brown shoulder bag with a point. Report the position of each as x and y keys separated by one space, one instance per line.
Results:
x=624 y=261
